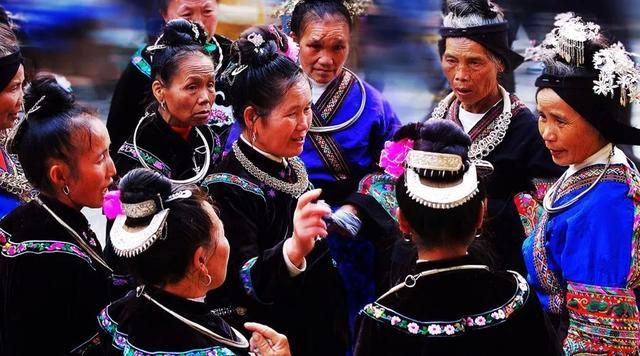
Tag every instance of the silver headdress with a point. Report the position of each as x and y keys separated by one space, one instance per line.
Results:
x=356 y=7
x=131 y=241
x=436 y=193
x=19 y=126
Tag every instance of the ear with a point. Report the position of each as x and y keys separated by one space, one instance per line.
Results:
x=294 y=37
x=481 y=214
x=199 y=259
x=403 y=223
x=59 y=174
x=157 y=88
x=250 y=116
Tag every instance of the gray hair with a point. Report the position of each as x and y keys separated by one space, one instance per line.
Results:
x=8 y=41
x=470 y=13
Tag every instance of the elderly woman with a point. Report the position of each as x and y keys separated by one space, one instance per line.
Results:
x=174 y=244
x=279 y=263
x=452 y=304
x=173 y=137
x=582 y=258
x=474 y=52
x=14 y=188
x=130 y=98
x=53 y=272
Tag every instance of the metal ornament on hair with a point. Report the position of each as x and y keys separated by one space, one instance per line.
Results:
x=352 y=119
x=355 y=7
x=201 y=171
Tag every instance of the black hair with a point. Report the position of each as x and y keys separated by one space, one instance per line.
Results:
x=439 y=227
x=8 y=40
x=268 y=75
x=308 y=10
x=188 y=226
x=179 y=40
x=49 y=131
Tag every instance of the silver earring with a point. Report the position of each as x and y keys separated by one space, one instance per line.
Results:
x=65 y=190
x=254 y=137
x=163 y=104
x=208 y=281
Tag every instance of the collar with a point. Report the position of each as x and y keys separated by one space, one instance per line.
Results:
x=424 y=265
x=600 y=157
x=317 y=90
x=182 y=131
x=263 y=153
x=74 y=218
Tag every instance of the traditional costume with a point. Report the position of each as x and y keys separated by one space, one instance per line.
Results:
x=53 y=280
x=453 y=306
x=582 y=258
x=257 y=196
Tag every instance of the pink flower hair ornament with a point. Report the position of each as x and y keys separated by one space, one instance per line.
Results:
x=393 y=155
x=111 y=204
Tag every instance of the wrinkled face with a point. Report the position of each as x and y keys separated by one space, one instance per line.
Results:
x=282 y=132
x=471 y=73
x=11 y=100
x=190 y=94
x=93 y=170
x=203 y=12
x=324 y=47
x=217 y=262
x=568 y=136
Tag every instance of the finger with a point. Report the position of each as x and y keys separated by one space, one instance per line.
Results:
x=308 y=197
x=313 y=210
x=259 y=344
x=261 y=329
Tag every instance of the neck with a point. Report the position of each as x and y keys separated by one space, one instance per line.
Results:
x=484 y=104
x=64 y=199
x=187 y=288
x=169 y=119
x=441 y=253
x=256 y=146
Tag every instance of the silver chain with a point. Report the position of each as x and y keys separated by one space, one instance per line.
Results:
x=294 y=189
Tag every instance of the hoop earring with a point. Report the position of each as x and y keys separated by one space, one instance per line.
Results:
x=65 y=190
x=163 y=105
x=208 y=281
x=254 y=137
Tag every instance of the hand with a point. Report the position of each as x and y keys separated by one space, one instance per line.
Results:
x=266 y=341
x=307 y=225
x=346 y=221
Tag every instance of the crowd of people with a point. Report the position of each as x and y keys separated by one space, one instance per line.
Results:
x=263 y=199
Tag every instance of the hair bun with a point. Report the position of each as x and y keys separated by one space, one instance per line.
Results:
x=258 y=46
x=180 y=32
x=463 y=8
x=143 y=184
x=57 y=98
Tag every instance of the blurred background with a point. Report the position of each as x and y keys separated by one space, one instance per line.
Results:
x=394 y=48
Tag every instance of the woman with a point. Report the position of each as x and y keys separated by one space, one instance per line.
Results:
x=279 y=263
x=130 y=98
x=174 y=244
x=351 y=120
x=173 y=138
x=452 y=305
x=582 y=257
x=14 y=188
x=53 y=273
x=474 y=52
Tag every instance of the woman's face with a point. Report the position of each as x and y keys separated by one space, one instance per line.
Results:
x=567 y=135
x=217 y=262
x=282 y=132
x=189 y=96
x=92 y=172
x=11 y=100
x=203 y=12
x=324 y=47
x=472 y=74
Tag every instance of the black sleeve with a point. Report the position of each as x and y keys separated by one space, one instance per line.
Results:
x=369 y=340
x=127 y=105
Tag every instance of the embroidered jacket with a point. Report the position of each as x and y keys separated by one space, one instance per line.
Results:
x=474 y=311
x=50 y=288
x=257 y=220
x=583 y=261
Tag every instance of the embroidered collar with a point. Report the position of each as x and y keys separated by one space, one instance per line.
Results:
x=600 y=157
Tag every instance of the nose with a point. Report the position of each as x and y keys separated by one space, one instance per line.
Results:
x=461 y=73
x=305 y=123
x=111 y=168
x=325 y=60
x=547 y=132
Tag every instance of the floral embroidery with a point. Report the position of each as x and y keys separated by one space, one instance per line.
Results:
x=383 y=189
x=127 y=150
x=121 y=341
x=601 y=320
x=245 y=276
x=221 y=116
x=38 y=247
x=529 y=204
x=633 y=181
x=139 y=62
x=489 y=318
x=233 y=180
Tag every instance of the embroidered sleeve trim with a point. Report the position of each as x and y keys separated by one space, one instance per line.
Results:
x=382 y=188
x=245 y=276
x=633 y=181
x=39 y=247
x=529 y=204
x=601 y=320
x=127 y=150
x=382 y=314
x=226 y=178
x=139 y=62
x=121 y=342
